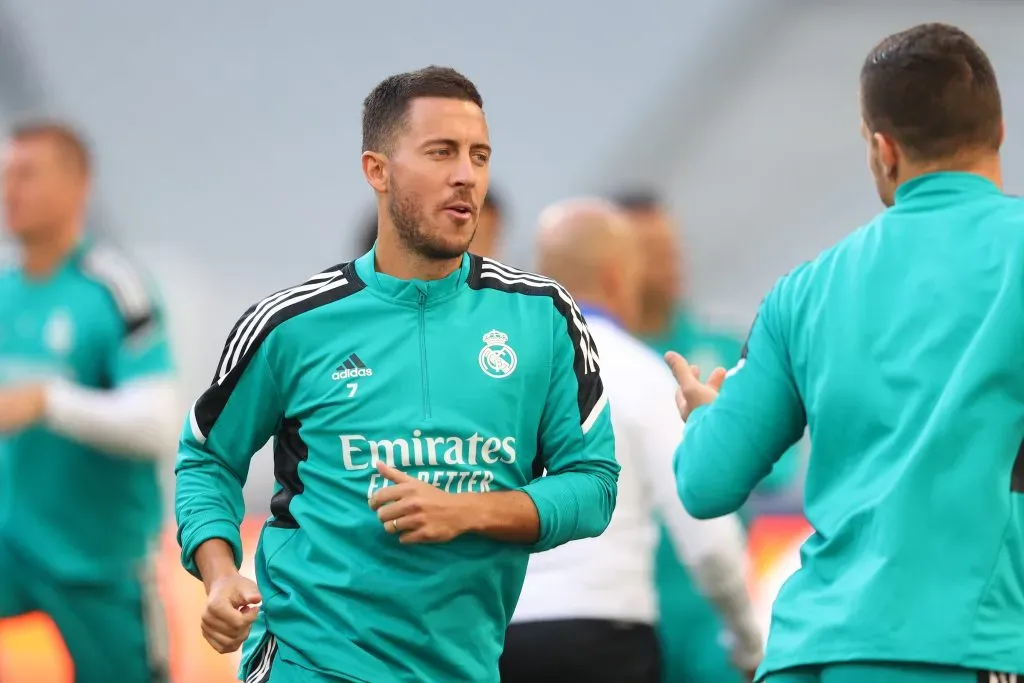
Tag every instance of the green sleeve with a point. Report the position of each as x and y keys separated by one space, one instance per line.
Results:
x=232 y=420
x=576 y=498
x=730 y=445
x=786 y=469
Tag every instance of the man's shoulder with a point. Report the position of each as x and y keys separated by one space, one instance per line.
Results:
x=330 y=286
x=487 y=274
x=117 y=279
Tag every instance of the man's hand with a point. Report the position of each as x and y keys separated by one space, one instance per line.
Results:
x=231 y=607
x=417 y=511
x=693 y=393
x=21 y=407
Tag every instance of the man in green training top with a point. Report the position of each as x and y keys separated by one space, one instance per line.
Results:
x=900 y=347
x=87 y=411
x=695 y=642
x=415 y=397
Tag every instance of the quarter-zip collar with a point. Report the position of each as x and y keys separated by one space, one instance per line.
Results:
x=411 y=292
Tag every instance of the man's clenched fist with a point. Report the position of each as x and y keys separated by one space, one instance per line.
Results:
x=232 y=605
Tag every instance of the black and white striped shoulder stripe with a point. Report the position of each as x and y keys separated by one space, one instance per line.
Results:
x=260 y=672
x=254 y=321
x=253 y=327
x=591 y=398
x=123 y=282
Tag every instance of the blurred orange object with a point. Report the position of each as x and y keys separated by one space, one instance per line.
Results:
x=31 y=649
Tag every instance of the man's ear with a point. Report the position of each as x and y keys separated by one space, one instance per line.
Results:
x=375 y=168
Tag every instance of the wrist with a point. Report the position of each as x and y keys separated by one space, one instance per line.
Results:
x=215 y=561
x=473 y=513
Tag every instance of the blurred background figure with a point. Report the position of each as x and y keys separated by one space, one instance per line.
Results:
x=486 y=241
x=588 y=609
x=87 y=410
x=696 y=644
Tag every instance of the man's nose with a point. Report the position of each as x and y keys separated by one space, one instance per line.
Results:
x=464 y=172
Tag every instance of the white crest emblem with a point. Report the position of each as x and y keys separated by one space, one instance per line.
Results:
x=59 y=333
x=497 y=358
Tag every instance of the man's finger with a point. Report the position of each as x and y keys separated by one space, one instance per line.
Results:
x=389 y=513
x=221 y=642
x=212 y=621
x=716 y=378
x=695 y=371
x=228 y=616
x=392 y=474
x=414 y=537
x=680 y=368
x=251 y=593
x=389 y=494
x=681 y=404
x=250 y=613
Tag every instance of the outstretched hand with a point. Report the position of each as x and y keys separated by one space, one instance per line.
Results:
x=693 y=393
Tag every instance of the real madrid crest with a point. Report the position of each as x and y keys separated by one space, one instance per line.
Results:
x=497 y=358
x=59 y=333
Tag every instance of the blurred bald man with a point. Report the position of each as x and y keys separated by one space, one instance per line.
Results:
x=588 y=609
x=696 y=643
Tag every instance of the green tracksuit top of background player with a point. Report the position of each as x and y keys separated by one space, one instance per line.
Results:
x=79 y=513
x=476 y=382
x=900 y=349
x=694 y=637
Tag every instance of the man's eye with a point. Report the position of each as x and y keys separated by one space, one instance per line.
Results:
x=439 y=152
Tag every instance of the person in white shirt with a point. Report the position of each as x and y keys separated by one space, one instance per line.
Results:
x=588 y=609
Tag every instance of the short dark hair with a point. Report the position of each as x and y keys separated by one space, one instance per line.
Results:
x=63 y=135
x=934 y=91
x=638 y=200
x=385 y=108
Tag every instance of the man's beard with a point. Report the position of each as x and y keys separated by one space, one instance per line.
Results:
x=408 y=217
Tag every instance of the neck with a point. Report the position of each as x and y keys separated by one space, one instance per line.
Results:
x=988 y=166
x=654 y=319
x=394 y=259
x=41 y=257
x=600 y=303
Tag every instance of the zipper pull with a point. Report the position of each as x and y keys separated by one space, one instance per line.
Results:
x=423 y=298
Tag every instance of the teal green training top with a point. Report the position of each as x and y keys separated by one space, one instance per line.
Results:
x=76 y=511
x=475 y=383
x=900 y=348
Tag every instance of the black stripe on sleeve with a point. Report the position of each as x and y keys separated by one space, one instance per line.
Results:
x=489 y=274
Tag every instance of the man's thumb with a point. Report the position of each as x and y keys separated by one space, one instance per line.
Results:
x=680 y=368
x=248 y=593
x=392 y=474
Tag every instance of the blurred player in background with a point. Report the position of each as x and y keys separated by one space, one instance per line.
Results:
x=87 y=409
x=486 y=241
x=696 y=642
x=901 y=346
x=588 y=609
x=413 y=396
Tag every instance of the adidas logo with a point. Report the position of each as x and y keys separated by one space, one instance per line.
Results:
x=352 y=367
